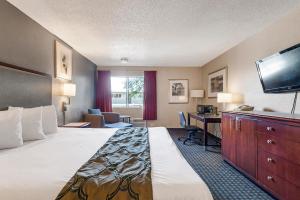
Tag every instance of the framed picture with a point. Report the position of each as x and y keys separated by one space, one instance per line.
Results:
x=63 y=61
x=178 y=91
x=217 y=82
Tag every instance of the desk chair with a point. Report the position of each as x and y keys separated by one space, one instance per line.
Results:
x=192 y=130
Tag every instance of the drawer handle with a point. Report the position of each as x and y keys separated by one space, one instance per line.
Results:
x=269 y=141
x=269 y=128
x=269 y=178
x=269 y=159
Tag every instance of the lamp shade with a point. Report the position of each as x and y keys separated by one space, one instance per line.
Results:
x=197 y=93
x=224 y=97
x=69 y=89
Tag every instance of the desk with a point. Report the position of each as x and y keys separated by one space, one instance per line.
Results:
x=206 y=119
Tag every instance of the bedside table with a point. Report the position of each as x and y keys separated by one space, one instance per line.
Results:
x=77 y=125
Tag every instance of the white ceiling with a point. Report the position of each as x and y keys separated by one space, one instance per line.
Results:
x=154 y=32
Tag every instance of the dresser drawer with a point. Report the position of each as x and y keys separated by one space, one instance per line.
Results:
x=280 y=167
x=278 y=186
x=292 y=192
x=277 y=146
x=274 y=183
x=283 y=131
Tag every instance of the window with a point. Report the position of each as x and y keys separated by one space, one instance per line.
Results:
x=127 y=91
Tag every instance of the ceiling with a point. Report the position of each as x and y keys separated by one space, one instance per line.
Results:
x=154 y=32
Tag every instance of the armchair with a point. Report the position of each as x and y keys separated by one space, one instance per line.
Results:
x=105 y=120
x=97 y=121
x=111 y=117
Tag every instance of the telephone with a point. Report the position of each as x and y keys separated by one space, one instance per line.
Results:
x=245 y=108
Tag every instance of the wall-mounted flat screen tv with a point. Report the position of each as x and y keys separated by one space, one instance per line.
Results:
x=280 y=72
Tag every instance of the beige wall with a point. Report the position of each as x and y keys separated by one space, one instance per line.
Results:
x=167 y=114
x=242 y=74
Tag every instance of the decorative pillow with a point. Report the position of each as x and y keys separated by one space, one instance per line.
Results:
x=49 y=119
x=11 y=128
x=94 y=111
x=32 y=128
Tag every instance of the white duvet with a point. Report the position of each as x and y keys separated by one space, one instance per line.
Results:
x=39 y=170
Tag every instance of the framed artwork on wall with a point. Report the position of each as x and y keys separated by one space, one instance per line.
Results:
x=217 y=82
x=178 y=91
x=63 y=61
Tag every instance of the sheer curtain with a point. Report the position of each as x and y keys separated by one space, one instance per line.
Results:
x=103 y=91
x=150 y=100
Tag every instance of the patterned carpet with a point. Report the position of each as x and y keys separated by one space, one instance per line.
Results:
x=224 y=182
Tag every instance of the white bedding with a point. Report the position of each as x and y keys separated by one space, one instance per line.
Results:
x=39 y=170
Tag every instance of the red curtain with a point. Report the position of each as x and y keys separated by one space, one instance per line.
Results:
x=103 y=93
x=150 y=102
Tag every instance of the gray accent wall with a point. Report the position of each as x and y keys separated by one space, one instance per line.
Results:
x=25 y=43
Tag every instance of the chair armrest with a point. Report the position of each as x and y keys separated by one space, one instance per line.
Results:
x=97 y=121
x=111 y=117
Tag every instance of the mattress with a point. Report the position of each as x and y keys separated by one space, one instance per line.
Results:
x=39 y=169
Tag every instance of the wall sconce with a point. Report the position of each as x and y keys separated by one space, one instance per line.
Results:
x=69 y=90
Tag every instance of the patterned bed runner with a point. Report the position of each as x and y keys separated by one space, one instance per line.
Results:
x=120 y=170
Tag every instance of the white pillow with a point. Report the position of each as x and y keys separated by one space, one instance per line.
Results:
x=49 y=119
x=32 y=128
x=11 y=128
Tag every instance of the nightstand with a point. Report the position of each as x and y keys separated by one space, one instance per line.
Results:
x=77 y=125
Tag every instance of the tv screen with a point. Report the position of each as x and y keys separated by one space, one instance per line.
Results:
x=280 y=72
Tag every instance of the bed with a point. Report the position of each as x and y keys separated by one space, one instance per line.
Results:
x=39 y=169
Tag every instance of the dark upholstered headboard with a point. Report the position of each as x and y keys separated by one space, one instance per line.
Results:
x=23 y=87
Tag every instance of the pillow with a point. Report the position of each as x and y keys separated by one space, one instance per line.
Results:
x=11 y=128
x=49 y=119
x=32 y=128
x=94 y=111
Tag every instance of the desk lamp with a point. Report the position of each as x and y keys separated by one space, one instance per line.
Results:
x=197 y=94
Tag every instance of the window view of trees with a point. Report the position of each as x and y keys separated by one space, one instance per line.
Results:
x=135 y=90
x=127 y=91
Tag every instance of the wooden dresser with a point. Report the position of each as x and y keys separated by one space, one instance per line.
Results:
x=266 y=148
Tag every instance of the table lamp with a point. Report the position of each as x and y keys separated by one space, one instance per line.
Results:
x=224 y=98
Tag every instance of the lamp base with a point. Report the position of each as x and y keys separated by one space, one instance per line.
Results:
x=65 y=108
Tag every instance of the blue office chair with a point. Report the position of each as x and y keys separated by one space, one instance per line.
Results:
x=192 y=130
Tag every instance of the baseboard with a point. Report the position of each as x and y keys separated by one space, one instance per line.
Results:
x=175 y=129
x=210 y=134
x=215 y=137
